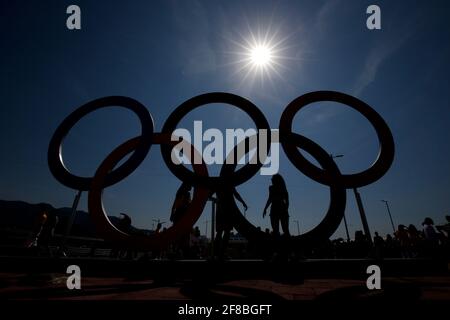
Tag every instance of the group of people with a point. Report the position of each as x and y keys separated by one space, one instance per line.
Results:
x=430 y=241
x=409 y=242
x=406 y=242
x=278 y=201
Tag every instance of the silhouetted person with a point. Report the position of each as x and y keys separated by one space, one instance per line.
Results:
x=123 y=225
x=432 y=237
x=37 y=228
x=429 y=231
x=378 y=244
x=389 y=245
x=47 y=233
x=403 y=239
x=414 y=240
x=224 y=220
x=361 y=244
x=197 y=232
x=378 y=240
x=445 y=238
x=445 y=229
x=279 y=205
x=181 y=202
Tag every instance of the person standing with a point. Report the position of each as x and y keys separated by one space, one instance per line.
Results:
x=224 y=219
x=278 y=201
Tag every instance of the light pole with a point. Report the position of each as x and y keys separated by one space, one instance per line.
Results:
x=298 y=227
x=389 y=212
x=345 y=219
x=213 y=219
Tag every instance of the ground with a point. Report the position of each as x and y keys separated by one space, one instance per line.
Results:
x=53 y=286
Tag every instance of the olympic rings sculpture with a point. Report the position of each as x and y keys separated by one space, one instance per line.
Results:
x=204 y=185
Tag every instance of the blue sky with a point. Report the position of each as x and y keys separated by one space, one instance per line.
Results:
x=165 y=52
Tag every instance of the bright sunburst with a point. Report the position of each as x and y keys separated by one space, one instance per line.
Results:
x=259 y=55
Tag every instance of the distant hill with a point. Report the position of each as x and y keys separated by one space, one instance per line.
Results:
x=22 y=215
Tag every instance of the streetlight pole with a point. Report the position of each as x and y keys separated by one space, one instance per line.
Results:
x=213 y=217
x=346 y=228
x=389 y=212
x=213 y=222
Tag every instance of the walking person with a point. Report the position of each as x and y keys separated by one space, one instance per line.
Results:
x=278 y=201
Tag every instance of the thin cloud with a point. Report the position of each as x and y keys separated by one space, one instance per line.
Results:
x=377 y=56
x=382 y=51
x=325 y=13
x=196 y=50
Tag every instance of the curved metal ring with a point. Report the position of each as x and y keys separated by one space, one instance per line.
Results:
x=109 y=232
x=372 y=174
x=326 y=228
x=236 y=178
x=55 y=161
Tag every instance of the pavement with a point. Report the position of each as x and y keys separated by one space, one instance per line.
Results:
x=17 y=286
x=38 y=278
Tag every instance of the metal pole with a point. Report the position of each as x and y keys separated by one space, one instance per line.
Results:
x=70 y=222
x=363 y=216
x=213 y=221
x=345 y=219
x=346 y=228
x=389 y=212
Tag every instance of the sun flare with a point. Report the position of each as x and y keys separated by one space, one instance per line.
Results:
x=261 y=55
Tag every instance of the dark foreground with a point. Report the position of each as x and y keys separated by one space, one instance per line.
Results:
x=103 y=279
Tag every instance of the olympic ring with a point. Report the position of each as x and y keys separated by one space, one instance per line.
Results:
x=224 y=184
x=325 y=229
x=70 y=180
x=378 y=168
x=238 y=177
x=108 y=231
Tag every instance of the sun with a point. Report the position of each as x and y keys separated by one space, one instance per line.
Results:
x=261 y=55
